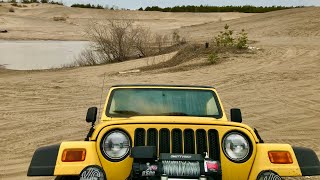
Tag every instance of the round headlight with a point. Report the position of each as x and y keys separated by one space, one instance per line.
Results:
x=115 y=145
x=236 y=146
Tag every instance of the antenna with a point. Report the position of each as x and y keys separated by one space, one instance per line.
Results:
x=104 y=77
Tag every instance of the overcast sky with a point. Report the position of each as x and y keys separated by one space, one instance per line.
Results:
x=135 y=4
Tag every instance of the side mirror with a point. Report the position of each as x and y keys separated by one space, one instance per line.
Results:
x=235 y=114
x=92 y=115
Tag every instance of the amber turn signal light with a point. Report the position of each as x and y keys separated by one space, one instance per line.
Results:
x=280 y=157
x=73 y=155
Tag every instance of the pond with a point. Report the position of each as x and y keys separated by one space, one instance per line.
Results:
x=38 y=54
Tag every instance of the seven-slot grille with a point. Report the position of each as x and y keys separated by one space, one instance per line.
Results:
x=187 y=141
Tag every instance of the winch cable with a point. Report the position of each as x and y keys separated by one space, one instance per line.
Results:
x=181 y=168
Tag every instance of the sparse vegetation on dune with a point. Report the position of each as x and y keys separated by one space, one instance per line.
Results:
x=118 y=41
x=223 y=46
x=226 y=39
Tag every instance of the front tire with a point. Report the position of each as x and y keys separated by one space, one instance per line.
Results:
x=67 y=178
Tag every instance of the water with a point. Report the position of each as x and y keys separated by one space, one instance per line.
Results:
x=37 y=54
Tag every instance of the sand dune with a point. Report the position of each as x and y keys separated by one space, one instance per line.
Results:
x=36 y=22
x=300 y=23
x=277 y=88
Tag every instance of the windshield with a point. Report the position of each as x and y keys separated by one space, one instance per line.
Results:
x=163 y=102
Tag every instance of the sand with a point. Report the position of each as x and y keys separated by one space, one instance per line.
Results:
x=277 y=88
x=36 y=21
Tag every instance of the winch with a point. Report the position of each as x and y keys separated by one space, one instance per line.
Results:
x=146 y=165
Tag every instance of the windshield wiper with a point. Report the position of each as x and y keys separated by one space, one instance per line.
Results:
x=127 y=112
x=174 y=114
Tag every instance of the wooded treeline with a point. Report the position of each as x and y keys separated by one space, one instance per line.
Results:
x=201 y=8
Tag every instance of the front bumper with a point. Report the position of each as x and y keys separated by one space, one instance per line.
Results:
x=46 y=161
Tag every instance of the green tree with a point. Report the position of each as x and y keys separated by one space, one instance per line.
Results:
x=225 y=38
x=242 y=40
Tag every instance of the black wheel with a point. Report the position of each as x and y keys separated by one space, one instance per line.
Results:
x=269 y=174
x=67 y=178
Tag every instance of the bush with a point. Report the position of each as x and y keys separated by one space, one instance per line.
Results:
x=242 y=40
x=213 y=58
x=59 y=18
x=86 y=58
x=114 y=40
x=44 y=1
x=11 y=9
x=118 y=40
x=142 y=41
x=226 y=39
x=160 y=41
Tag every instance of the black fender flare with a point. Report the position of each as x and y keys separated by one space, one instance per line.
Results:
x=44 y=161
x=307 y=160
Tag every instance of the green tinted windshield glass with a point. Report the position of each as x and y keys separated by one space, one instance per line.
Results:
x=163 y=102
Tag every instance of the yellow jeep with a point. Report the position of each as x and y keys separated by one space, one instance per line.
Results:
x=170 y=132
